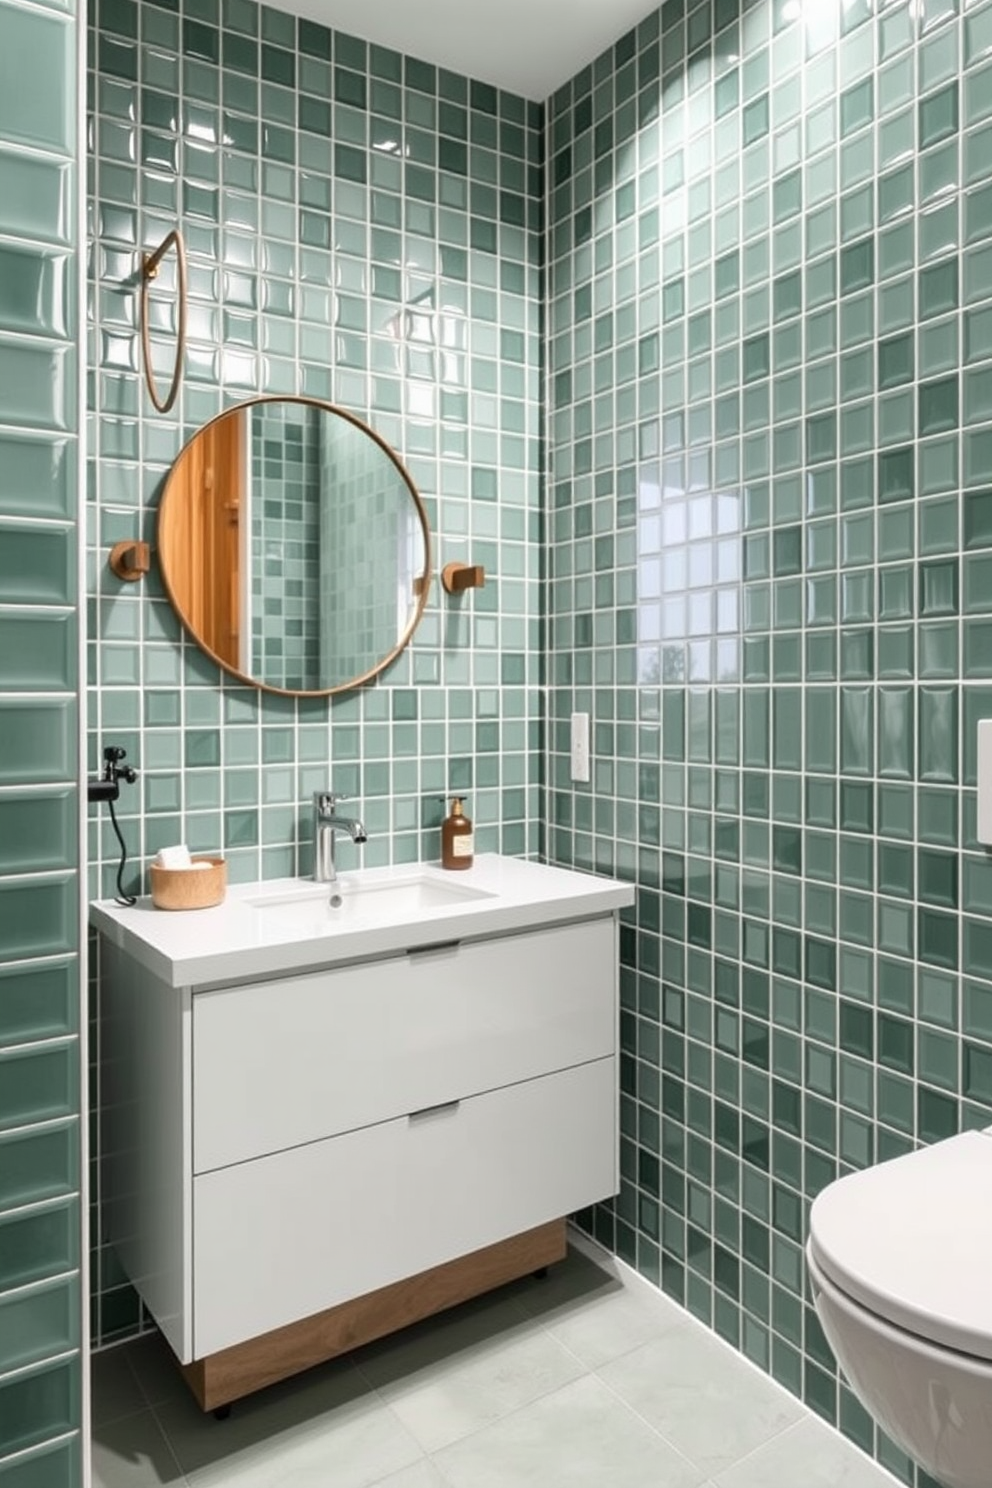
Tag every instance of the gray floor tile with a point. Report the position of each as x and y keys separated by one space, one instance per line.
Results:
x=326 y=1426
x=469 y=1369
x=576 y=1279
x=604 y=1326
x=422 y=1474
x=132 y=1452
x=710 y=1405
x=582 y=1436
x=155 y=1368
x=810 y=1454
x=115 y=1391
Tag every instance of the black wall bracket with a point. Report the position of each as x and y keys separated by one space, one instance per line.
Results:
x=107 y=787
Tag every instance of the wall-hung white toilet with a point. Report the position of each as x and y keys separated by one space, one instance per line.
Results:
x=900 y=1263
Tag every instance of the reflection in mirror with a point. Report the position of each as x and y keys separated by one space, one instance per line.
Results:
x=294 y=545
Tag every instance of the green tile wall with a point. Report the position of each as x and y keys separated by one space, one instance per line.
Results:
x=363 y=227
x=770 y=520
x=41 y=1306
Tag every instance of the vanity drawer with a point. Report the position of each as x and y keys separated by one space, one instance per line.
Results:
x=289 y=1235
x=277 y=1064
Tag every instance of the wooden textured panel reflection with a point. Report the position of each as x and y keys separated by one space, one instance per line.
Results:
x=199 y=536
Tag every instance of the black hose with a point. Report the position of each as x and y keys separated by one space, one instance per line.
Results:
x=121 y=897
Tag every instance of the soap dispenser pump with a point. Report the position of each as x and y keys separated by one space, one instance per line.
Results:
x=457 y=838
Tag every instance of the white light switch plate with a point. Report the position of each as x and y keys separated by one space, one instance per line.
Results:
x=985 y=780
x=580 y=746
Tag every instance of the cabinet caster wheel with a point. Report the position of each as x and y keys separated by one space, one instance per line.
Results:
x=222 y=1413
x=541 y=1274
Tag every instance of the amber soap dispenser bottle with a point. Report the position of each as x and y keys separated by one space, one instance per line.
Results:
x=457 y=838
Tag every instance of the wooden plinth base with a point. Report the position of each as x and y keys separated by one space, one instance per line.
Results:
x=233 y=1372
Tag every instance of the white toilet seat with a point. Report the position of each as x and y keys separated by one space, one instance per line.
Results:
x=910 y=1241
x=899 y=1261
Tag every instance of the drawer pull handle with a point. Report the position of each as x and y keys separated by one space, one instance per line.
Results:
x=439 y=1110
x=437 y=948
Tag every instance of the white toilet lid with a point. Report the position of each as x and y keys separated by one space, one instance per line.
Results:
x=911 y=1240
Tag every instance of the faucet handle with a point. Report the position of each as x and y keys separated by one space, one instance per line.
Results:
x=326 y=800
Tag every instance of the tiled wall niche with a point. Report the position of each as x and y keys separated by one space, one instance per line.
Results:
x=770 y=510
x=41 y=1370
x=361 y=227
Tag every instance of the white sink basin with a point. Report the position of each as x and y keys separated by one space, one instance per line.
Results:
x=279 y=927
x=315 y=909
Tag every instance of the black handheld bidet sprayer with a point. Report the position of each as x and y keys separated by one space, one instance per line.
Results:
x=107 y=787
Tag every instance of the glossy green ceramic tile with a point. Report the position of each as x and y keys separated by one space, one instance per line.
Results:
x=37 y=917
x=36 y=196
x=37 y=651
x=38 y=1085
x=37 y=476
x=48 y=1467
x=39 y=740
x=37 y=79
x=36 y=385
x=38 y=1404
x=38 y=830
x=37 y=1001
x=39 y=1323
x=856 y=427
x=36 y=566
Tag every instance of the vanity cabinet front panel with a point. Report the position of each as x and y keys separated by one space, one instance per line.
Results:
x=281 y=1063
x=288 y=1235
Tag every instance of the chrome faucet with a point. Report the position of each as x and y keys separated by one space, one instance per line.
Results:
x=326 y=822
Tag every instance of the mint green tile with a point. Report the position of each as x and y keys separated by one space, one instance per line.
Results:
x=937 y=651
x=39 y=1322
x=36 y=565
x=938 y=755
x=895 y=651
x=38 y=830
x=895 y=361
x=938 y=588
x=938 y=405
x=39 y=1084
x=938 y=115
x=895 y=474
x=37 y=79
x=39 y=740
x=37 y=651
x=37 y=1405
x=895 y=732
x=977 y=636
x=37 y=917
x=977 y=583
x=37 y=1001
x=38 y=1165
x=978 y=519
x=37 y=476
x=35 y=197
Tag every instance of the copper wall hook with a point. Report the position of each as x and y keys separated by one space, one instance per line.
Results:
x=130 y=560
x=458 y=576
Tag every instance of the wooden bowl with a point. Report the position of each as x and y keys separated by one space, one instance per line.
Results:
x=182 y=888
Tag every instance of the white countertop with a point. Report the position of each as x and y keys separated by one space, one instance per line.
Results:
x=241 y=938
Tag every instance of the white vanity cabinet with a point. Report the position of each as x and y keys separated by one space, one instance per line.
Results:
x=297 y=1164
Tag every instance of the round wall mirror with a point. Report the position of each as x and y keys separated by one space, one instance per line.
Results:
x=294 y=546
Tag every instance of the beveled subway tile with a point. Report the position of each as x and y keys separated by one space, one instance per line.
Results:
x=37 y=107
x=38 y=830
x=36 y=566
x=36 y=385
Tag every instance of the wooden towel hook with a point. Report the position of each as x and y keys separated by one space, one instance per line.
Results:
x=130 y=560
x=458 y=576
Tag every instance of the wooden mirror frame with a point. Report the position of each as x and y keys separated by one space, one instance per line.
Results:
x=169 y=528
